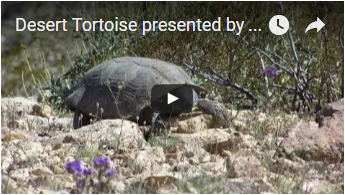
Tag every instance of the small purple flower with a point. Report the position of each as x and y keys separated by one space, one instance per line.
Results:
x=87 y=171
x=110 y=172
x=80 y=183
x=270 y=71
x=101 y=161
x=74 y=167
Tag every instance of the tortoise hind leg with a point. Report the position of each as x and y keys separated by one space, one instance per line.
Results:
x=80 y=119
x=160 y=126
x=159 y=123
x=221 y=115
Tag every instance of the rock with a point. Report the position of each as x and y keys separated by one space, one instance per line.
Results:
x=168 y=189
x=117 y=187
x=317 y=186
x=247 y=186
x=42 y=110
x=53 y=163
x=244 y=164
x=312 y=141
x=17 y=113
x=329 y=112
x=221 y=184
x=241 y=117
x=235 y=141
x=145 y=159
x=15 y=135
x=40 y=124
x=20 y=175
x=336 y=171
x=41 y=171
x=181 y=167
x=29 y=115
x=32 y=150
x=111 y=134
x=192 y=124
x=215 y=141
x=48 y=191
x=17 y=105
x=202 y=160
x=7 y=184
x=283 y=165
x=173 y=153
x=6 y=162
x=153 y=184
x=212 y=168
x=203 y=138
x=61 y=123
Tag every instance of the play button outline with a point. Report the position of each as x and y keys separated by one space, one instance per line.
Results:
x=172 y=98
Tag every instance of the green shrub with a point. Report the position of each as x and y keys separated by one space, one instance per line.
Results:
x=228 y=65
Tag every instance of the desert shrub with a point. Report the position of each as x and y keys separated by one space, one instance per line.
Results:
x=308 y=67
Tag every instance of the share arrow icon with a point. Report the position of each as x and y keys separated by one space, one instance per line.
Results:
x=318 y=24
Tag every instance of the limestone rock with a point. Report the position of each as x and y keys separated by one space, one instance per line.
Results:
x=317 y=186
x=123 y=135
x=145 y=159
x=319 y=142
x=42 y=110
x=17 y=105
x=244 y=164
x=192 y=124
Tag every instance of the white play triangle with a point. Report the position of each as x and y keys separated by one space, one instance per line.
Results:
x=171 y=98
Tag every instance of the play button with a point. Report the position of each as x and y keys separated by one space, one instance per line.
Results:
x=171 y=98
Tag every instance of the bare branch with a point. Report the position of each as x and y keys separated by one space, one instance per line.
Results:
x=292 y=44
x=222 y=81
x=214 y=72
x=339 y=35
x=290 y=72
x=342 y=46
x=284 y=87
x=282 y=59
x=274 y=62
x=268 y=93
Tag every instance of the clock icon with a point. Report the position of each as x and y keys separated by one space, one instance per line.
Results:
x=279 y=25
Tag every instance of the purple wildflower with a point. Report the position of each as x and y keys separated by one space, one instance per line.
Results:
x=270 y=71
x=101 y=161
x=87 y=171
x=74 y=167
x=110 y=172
x=80 y=183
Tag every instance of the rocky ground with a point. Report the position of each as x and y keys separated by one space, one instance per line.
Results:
x=259 y=153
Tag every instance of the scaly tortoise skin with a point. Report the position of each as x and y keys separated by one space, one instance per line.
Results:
x=121 y=88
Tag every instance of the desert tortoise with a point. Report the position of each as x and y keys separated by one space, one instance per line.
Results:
x=121 y=88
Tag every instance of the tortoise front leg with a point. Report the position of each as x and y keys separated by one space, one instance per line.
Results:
x=160 y=126
x=80 y=120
